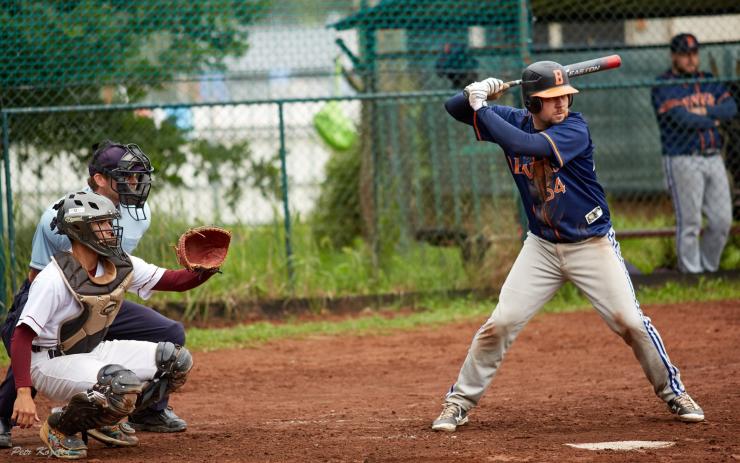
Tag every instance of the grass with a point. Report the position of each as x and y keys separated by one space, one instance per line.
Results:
x=433 y=312
x=256 y=267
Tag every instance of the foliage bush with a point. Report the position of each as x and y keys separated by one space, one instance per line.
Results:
x=337 y=220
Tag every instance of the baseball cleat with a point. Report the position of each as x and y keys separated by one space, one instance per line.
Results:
x=5 y=440
x=118 y=435
x=157 y=421
x=451 y=417
x=62 y=446
x=686 y=409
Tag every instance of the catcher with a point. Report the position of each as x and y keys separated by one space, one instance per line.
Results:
x=58 y=345
x=123 y=173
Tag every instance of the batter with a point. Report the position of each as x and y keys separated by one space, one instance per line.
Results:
x=570 y=237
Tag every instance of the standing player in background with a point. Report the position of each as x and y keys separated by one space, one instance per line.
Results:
x=122 y=173
x=688 y=116
x=570 y=237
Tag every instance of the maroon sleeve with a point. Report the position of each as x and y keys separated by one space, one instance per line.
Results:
x=181 y=280
x=20 y=355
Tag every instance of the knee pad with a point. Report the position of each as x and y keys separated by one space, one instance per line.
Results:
x=110 y=399
x=173 y=365
x=174 y=362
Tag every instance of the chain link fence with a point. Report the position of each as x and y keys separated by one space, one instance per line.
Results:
x=316 y=129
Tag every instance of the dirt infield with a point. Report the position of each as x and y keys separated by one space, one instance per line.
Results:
x=567 y=379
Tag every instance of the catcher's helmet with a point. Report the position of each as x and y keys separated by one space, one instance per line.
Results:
x=130 y=173
x=545 y=79
x=91 y=219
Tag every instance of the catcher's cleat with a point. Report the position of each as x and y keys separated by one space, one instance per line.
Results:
x=61 y=445
x=157 y=421
x=118 y=435
x=5 y=439
x=686 y=409
x=451 y=417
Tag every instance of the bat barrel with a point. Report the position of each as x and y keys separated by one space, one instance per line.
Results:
x=593 y=65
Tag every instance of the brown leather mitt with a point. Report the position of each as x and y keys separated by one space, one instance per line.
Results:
x=203 y=248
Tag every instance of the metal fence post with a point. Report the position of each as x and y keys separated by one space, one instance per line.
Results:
x=3 y=294
x=286 y=205
x=9 y=199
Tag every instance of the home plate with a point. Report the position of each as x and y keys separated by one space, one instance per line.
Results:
x=624 y=445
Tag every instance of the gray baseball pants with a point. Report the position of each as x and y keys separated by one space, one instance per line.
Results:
x=596 y=267
x=699 y=184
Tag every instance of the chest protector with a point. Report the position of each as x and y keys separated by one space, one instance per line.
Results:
x=100 y=297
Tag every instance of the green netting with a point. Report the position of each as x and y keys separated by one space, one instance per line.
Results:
x=317 y=128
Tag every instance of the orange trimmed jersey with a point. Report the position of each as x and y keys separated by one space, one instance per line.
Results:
x=683 y=132
x=562 y=197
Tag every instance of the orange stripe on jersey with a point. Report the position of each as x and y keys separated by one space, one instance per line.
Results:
x=554 y=147
x=670 y=104
x=475 y=125
x=547 y=220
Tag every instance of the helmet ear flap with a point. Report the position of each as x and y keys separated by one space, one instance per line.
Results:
x=570 y=100
x=533 y=104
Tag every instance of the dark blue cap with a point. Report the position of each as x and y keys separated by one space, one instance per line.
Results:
x=106 y=156
x=684 y=43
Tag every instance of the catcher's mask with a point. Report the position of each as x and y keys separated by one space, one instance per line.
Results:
x=91 y=219
x=130 y=173
x=545 y=79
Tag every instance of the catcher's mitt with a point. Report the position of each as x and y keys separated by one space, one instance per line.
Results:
x=203 y=248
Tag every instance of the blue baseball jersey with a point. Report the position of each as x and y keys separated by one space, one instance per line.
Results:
x=553 y=169
x=681 y=131
x=46 y=242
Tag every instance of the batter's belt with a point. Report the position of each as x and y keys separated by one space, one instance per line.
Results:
x=705 y=153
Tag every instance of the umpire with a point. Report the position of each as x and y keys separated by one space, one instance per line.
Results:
x=123 y=174
x=688 y=116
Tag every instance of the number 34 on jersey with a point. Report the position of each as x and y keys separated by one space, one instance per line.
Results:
x=524 y=166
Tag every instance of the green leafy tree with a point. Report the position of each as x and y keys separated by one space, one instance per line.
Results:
x=62 y=52
x=80 y=52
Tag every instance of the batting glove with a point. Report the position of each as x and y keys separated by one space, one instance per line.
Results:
x=496 y=87
x=477 y=93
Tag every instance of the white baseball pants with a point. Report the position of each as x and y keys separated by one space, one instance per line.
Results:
x=699 y=186
x=596 y=267
x=62 y=377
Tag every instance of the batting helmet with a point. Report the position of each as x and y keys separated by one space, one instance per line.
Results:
x=91 y=219
x=545 y=79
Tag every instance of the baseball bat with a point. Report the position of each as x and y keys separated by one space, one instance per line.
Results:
x=584 y=67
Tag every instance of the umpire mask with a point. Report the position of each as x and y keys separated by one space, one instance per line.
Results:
x=130 y=173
